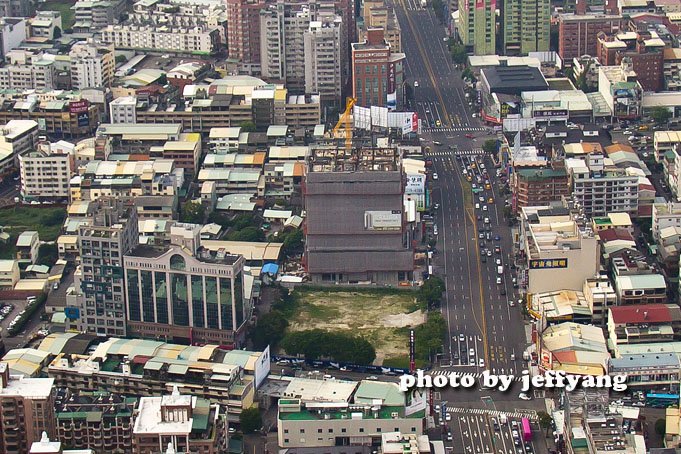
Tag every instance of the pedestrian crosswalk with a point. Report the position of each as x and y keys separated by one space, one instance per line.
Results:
x=473 y=152
x=476 y=375
x=455 y=129
x=529 y=414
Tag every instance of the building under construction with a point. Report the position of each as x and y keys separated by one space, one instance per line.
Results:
x=355 y=227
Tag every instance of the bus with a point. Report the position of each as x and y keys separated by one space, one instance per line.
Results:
x=527 y=431
x=656 y=400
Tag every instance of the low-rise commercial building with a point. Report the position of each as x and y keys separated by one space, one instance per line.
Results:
x=665 y=215
x=27 y=246
x=341 y=413
x=17 y=138
x=648 y=371
x=599 y=296
x=9 y=274
x=573 y=349
x=635 y=281
x=550 y=308
x=647 y=323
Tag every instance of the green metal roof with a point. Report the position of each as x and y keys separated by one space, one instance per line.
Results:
x=541 y=174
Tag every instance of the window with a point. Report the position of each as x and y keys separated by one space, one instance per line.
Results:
x=134 y=296
x=161 y=298
x=147 y=297
x=197 y=301
x=177 y=262
x=319 y=431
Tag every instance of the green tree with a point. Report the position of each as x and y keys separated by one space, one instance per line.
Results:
x=490 y=146
x=269 y=330
x=247 y=234
x=467 y=74
x=545 y=421
x=247 y=126
x=341 y=346
x=219 y=218
x=193 y=212
x=163 y=80
x=56 y=34
x=250 y=420
x=429 y=336
x=242 y=221
x=660 y=115
x=661 y=427
x=293 y=242
x=48 y=253
x=430 y=293
x=458 y=51
x=121 y=58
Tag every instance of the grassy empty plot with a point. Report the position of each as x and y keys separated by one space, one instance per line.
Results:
x=382 y=317
x=64 y=8
x=46 y=221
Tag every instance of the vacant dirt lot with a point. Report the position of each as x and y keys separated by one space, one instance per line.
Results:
x=382 y=318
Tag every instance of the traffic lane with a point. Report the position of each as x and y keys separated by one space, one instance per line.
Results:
x=473 y=431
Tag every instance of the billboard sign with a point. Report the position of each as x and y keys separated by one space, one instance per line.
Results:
x=550 y=113
x=76 y=107
x=383 y=220
x=416 y=184
x=72 y=313
x=262 y=367
x=391 y=101
x=83 y=119
x=391 y=78
x=379 y=116
x=362 y=117
x=416 y=401
x=538 y=264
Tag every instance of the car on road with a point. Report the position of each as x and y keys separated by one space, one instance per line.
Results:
x=497 y=250
x=436 y=142
x=481 y=362
x=471 y=352
x=497 y=238
x=416 y=83
x=449 y=435
x=436 y=206
x=435 y=176
x=486 y=220
x=438 y=123
x=489 y=253
x=469 y=136
x=498 y=262
x=448 y=417
x=498 y=281
x=372 y=377
x=524 y=396
x=462 y=338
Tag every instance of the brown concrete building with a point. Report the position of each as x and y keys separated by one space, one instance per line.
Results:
x=243 y=33
x=538 y=187
x=377 y=72
x=355 y=226
x=577 y=33
x=57 y=117
x=645 y=50
x=26 y=411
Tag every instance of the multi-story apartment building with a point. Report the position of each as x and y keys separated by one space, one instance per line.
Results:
x=377 y=72
x=645 y=50
x=599 y=296
x=44 y=24
x=96 y=15
x=525 y=26
x=17 y=138
x=376 y=14
x=325 y=62
x=99 y=420
x=181 y=421
x=45 y=174
x=26 y=70
x=27 y=410
x=191 y=295
x=635 y=281
x=100 y=287
x=92 y=65
x=243 y=33
x=477 y=26
x=123 y=109
x=558 y=251
x=535 y=187
x=12 y=31
x=621 y=90
x=577 y=33
x=601 y=189
x=665 y=215
x=200 y=40
x=142 y=368
x=355 y=218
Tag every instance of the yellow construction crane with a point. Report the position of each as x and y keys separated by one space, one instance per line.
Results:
x=345 y=120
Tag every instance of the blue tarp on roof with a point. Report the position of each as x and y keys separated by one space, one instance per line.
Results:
x=270 y=268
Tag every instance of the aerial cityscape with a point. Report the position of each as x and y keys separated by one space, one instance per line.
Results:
x=340 y=226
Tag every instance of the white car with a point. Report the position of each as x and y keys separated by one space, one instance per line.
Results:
x=435 y=176
x=524 y=396
x=481 y=362
x=498 y=281
x=416 y=83
x=448 y=417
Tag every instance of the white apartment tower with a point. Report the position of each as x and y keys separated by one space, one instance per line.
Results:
x=92 y=65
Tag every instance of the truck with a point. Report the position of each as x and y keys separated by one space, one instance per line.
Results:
x=500 y=269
